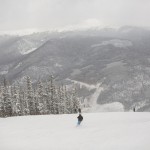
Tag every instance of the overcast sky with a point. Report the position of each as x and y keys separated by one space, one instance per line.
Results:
x=52 y=14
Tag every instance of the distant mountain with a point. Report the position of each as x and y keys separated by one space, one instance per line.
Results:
x=116 y=59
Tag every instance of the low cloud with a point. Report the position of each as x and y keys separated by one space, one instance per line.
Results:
x=52 y=14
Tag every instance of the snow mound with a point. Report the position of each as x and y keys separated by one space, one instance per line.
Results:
x=98 y=131
x=111 y=107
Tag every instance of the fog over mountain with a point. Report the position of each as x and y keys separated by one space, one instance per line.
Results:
x=107 y=65
x=60 y=14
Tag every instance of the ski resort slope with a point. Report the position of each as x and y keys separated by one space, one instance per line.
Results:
x=98 y=131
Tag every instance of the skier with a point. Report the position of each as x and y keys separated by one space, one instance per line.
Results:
x=79 y=110
x=75 y=110
x=80 y=118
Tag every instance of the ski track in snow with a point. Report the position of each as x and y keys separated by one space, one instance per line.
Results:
x=98 y=131
x=96 y=94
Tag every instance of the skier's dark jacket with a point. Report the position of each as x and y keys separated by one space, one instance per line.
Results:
x=80 y=118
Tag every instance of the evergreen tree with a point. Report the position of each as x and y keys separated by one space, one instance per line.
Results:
x=29 y=96
x=61 y=101
x=57 y=104
x=21 y=100
x=1 y=102
x=40 y=99
x=7 y=100
x=16 y=106
x=67 y=102
x=45 y=98
x=52 y=96
x=75 y=101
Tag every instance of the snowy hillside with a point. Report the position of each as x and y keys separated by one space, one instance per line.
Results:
x=118 y=60
x=99 y=131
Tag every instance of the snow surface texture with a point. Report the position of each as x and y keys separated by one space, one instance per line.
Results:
x=98 y=131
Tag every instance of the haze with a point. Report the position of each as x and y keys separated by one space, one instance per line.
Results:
x=59 y=14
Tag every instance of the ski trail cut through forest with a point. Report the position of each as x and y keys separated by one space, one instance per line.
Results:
x=95 y=95
x=82 y=84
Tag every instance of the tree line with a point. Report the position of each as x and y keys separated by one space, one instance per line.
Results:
x=40 y=99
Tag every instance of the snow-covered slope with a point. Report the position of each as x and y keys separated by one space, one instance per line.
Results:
x=98 y=131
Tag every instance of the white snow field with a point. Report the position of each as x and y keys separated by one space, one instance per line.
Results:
x=98 y=131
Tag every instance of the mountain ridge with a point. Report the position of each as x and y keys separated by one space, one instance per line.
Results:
x=120 y=59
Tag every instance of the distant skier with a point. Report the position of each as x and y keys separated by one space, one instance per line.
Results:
x=75 y=110
x=80 y=118
x=79 y=110
x=134 y=109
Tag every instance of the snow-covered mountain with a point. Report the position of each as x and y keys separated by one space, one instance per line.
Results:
x=117 y=60
x=106 y=131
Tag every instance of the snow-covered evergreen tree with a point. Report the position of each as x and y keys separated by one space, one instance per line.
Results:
x=44 y=98
x=51 y=94
x=1 y=102
x=57 y=103
x=60 y=100
x=23 y=102
x=67 y=101
x=75 y=101
x=16 y=106
x=6 y=95
x=63 y=103
x=29 y=96
x=40 y=99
